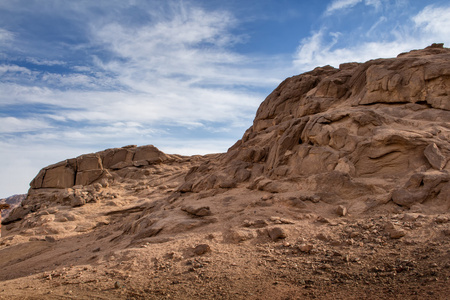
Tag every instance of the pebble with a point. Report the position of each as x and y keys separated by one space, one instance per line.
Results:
x=305 y=247
x=50 y=239
x=397 y=233
x=341 y=210
x=118 y=285
x=277 y=233
x=321 y=236
x=201 y=249
x=441 y=219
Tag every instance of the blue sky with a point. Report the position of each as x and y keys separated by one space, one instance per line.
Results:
x=186 y=76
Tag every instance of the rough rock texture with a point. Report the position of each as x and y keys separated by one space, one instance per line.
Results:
x=13 y=202
x=89 y=168
x=358 y=132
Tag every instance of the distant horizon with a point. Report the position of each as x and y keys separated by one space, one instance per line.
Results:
x=184 y=76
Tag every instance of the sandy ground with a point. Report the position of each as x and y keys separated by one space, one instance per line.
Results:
x=253 y=245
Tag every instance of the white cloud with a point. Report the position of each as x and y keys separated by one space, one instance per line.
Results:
x=5 y=35
x=338 y=5
x=45 y=62
x=434 y=21
x=14 y=125
x=430 y=25
x=341 y=4
x=13 y=69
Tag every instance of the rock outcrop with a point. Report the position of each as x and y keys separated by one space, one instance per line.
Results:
x=379 y=129
x=89 y=168
x=370 y=133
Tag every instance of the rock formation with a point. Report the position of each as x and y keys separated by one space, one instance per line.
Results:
x=379 y=129
x=342 y=181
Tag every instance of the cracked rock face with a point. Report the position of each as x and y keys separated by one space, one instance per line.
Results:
x=363 y=129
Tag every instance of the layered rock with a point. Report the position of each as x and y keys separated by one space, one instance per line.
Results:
x=77 y=181
x=375 y=129
x=89 y=168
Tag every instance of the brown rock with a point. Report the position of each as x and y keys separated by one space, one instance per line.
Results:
x=341 y=210
x=88 y=177
x=202 y=211
x=237 y=236
x=61 y=176
x=115 y=156
x=89 y=162
x=305 y=247
x=201 y=249
x=277 y=233
x=149 y=153
x=393 y=231
x=442 y=219
x=435 y=157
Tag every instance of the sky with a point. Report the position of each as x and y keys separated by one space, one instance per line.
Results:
x=186 y=76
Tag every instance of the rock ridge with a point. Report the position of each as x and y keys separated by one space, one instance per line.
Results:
x=360 y=129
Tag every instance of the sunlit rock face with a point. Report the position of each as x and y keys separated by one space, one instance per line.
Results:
x=379 y=129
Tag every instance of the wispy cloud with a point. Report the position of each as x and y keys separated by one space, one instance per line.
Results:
x=169 y=78
x=5 y=35
x=14 y=125
x=430 y=25
x=339 y=5
x=45 y=62
x=434 y=22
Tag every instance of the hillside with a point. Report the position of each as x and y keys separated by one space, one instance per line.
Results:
x=340 y=189
x=13 y=202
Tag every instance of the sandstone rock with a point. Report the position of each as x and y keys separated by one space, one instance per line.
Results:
x=59 y=176
x=50 y=239
x=420 y=187
x=321 y=122
x=394 y=231
x=89 y=162
x=237 y=236
x=201 y=249
x=149 y=153
x=88 y=177
x=202 y=211
x=77 y=199
x=115 y=156
x=305 y=247
x=277 y=233
x=86 y=169
x=435 y=157
x=341 y=210
x=256 y=223
x=442 y=219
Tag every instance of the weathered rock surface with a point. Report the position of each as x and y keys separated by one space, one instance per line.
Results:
x=89 y=168
x=363 y=129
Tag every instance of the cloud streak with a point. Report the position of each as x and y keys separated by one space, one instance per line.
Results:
x=322 y=47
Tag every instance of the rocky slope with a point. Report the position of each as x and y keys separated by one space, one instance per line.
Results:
x=13 y=202
x=341 y=188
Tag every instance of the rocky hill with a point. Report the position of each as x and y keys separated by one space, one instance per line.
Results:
x=341 y=188
x=13 y=202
